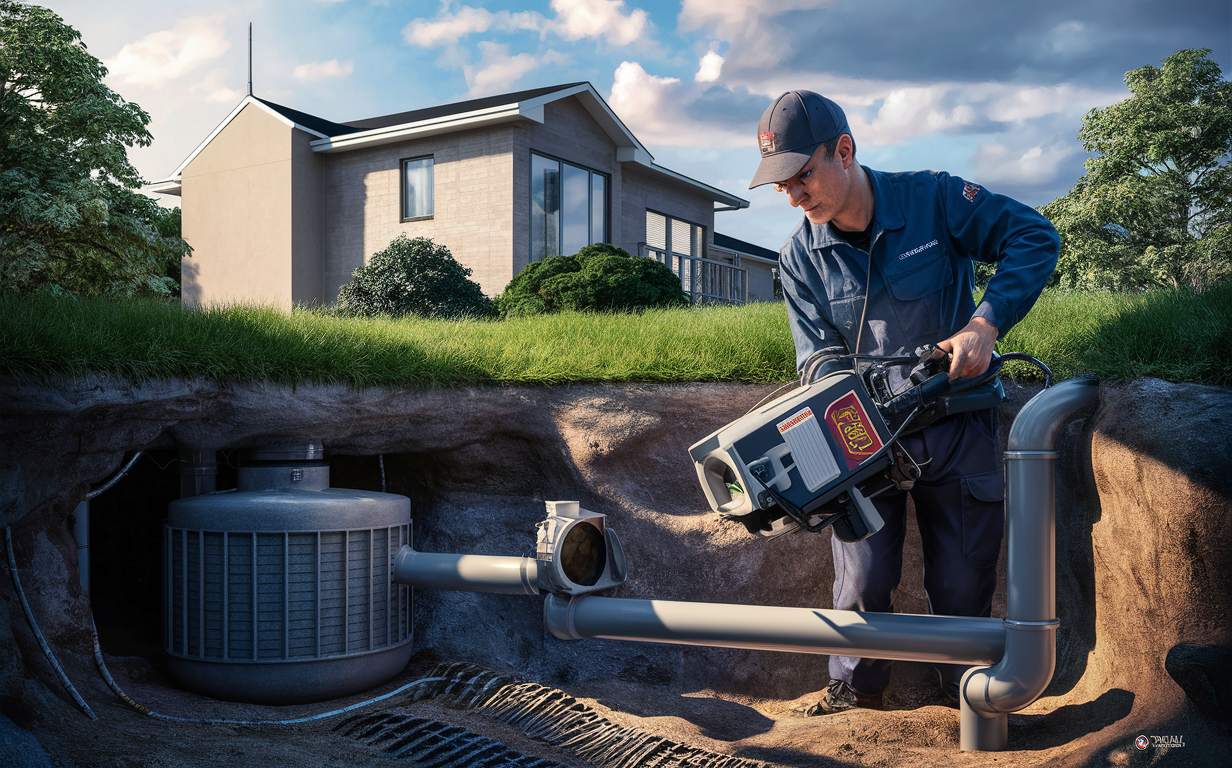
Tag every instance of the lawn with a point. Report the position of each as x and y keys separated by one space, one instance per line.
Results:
x=1173 y=335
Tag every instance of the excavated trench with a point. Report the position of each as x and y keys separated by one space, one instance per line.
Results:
x=1144 y=546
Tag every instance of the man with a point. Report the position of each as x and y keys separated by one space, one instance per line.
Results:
x=881 y=264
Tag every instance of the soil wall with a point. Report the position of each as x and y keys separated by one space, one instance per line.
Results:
x=1144 y=549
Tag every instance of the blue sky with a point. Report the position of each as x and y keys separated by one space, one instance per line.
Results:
x=990 y=91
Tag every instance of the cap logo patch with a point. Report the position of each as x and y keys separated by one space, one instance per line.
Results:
x=766 y=140
x=970 y=191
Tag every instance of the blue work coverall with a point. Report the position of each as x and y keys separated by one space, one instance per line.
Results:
x=926 y=229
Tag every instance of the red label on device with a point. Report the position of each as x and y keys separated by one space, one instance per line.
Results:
x=851 y=427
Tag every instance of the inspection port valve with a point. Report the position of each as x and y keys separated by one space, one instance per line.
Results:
x=578 y=552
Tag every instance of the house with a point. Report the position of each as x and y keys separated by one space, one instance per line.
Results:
x=281 y=206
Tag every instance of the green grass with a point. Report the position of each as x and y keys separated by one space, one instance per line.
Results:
x=1172 y=335
x=1166 y=334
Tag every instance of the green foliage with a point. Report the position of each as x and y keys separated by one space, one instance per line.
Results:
x=70 y=220
x=1175 y=335
x=599 y=277
x=1154 y=207
x=413 y=277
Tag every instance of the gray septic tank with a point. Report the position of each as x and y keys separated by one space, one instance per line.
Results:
x=282 y=590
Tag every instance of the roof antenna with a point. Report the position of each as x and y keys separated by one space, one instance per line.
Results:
x=250 y=58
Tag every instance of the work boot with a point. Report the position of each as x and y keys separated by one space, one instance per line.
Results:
x=841 y=697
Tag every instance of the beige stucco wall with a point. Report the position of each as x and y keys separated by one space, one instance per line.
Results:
x=236 y=203
x=473 y=211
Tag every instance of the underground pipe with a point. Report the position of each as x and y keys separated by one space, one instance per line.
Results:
x=1025 y=670
x=467 y=573
x=898 y=636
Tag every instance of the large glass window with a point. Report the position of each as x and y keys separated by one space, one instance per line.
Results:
x=417 y=197
x=568 y=207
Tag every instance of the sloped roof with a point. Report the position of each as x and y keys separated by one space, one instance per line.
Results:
x=463 y=115
x=443 y=110
x=311 y=122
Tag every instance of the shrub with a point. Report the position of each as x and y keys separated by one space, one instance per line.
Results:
x=413 y=277
x=599 y=277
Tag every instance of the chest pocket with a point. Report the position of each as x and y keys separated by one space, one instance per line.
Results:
x=845 y=313
x=922 y=279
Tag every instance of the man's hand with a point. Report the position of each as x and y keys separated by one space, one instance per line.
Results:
x=971 y=348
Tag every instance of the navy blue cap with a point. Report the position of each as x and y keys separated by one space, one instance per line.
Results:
x=791 y=129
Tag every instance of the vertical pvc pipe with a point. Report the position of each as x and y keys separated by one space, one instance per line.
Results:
x=988 y=693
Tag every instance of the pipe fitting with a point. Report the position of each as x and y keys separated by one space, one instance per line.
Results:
x=1025 y=670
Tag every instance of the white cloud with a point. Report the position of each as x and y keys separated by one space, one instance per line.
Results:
x=451 y=27
x=709 y=69
x=883 y=112
x=323 y=70
x=998 y=163
x=214 y=86
x=497 y=70
x=1069 y=37
x=746 y=24
x=654 y=108
x=574 y=20
x=161 y=57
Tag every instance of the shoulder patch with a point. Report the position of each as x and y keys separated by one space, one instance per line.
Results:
x=970 y=191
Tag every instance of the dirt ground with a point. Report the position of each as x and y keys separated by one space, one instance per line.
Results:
x=1144 y=548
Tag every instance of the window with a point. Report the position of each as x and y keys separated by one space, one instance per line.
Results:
x=676 y=242
x=670 y=235
x=417 y=197
x=568 y=207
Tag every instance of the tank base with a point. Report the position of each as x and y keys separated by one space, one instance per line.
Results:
x=290 y=682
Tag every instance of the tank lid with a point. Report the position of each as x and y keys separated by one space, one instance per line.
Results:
x=306 y=450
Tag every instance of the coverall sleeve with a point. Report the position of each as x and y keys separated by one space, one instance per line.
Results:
x=810 y=330
x=1000 y=230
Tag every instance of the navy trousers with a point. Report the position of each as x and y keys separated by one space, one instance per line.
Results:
x=960 y=510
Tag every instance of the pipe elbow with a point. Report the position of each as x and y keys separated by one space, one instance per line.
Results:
x=1039 y=422
x=1021 y=675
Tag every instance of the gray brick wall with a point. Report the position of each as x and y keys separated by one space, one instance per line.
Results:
x=482 y=190
x=641 y=192
x=473 y=211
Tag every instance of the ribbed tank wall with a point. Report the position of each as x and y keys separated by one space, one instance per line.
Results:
x=282 y=591
x=311 y=595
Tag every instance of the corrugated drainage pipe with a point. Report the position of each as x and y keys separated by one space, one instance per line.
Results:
x=1031 y=621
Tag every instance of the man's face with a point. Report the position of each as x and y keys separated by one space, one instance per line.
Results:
x=822 y=187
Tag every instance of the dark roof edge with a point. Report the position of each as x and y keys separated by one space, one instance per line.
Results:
x=311 y=122
x=458 y=107
x=726 y=241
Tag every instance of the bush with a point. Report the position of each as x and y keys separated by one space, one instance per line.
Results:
x=413 y=277
x=599 y=277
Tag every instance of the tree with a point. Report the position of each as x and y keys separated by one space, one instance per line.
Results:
x=70 y=218
x=413 y=277
x=1154 y=207
x=599 y=277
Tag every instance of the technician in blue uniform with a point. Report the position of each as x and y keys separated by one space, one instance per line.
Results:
x=881 y=264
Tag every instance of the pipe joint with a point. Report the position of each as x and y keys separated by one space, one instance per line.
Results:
x=558 y=617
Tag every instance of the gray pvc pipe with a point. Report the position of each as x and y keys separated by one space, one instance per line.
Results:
x=904 y=637
x=1031 y=621
x=467 y=573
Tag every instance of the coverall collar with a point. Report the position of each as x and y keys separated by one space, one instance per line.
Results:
x=887 y=214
